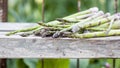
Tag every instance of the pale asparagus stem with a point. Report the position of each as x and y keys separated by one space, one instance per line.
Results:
x=55 y=26
x=91 y=10
x=96 y=29
x=110 y=25
x=57 y=34
x=115 y=25
x=67 y=21
x=55 y=22
x=94 y=34
x=102 y=16
x=25 y=34
x=78 y=26
x=92 y=17
x=23 y=30
x=40 y=31
x=75 y=19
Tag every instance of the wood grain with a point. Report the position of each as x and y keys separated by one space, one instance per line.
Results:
x=37 y=47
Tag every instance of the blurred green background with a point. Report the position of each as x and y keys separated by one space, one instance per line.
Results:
x=31 y=11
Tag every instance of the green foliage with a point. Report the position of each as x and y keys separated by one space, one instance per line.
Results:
x=31 y=63
x=83 y=63
x=30 y=10
x=16 y=63
x=37 y=63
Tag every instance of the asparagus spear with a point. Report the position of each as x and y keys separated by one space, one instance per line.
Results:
x=80 y=23
x=41 y=31
x=115 y=25
x=94 y=34
x=55 y=22
x=102 y=16
x=91 y=10
x=23 y=30
x=75 y=19
x=78 y=26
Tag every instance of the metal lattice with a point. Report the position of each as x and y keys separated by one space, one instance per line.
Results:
x=3 y=10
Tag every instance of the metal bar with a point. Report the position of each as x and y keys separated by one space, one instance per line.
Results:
x=116 y=5
x=43 y=10
x=116 y=10
x=5 y=10
x=42 y=61
x=78 y=63
x=3 y=63
x=114 y=63
x=79 y=4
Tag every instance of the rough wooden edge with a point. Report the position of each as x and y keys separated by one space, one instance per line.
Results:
x=58 y=48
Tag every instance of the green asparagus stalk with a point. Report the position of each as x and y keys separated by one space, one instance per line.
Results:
x=115 y=25
x=41 y=31
x=91 y=10
x=102 y=16
x=94 y=34
x=59 y=26
x=80 y=23
x=55 y=22
x=78 y=26
x=75 y=19
x=23 y=30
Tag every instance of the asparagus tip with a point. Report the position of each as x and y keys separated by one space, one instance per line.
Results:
x=57 y=34
x=94 y=9
x=75 y=28
x=101 y=12
x=107 y=14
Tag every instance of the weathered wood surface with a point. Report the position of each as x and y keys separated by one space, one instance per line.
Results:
x=36 y=47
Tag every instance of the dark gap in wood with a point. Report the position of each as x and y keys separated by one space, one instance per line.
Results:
x=3 y=63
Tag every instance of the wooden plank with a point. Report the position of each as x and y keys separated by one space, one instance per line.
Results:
x=37 y=47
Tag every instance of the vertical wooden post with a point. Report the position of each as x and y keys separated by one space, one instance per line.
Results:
x=5 y=10
x=4 y=7
x=3 y=63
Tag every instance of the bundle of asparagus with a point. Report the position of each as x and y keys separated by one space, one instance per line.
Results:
x=85 y=24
